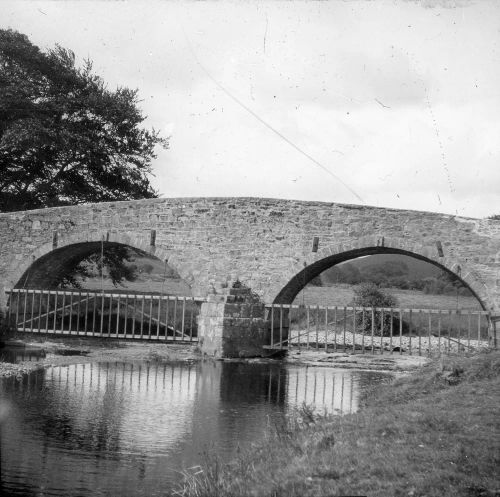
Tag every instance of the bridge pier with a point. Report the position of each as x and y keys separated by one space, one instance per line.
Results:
x=232 y=324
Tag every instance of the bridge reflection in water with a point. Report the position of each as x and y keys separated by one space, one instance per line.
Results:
x=129 y=429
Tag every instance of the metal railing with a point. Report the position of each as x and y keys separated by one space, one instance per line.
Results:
x=378 y=330
x=100 y=314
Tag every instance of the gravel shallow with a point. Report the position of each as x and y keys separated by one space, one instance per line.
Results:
x=407 y=344
x=63 y=353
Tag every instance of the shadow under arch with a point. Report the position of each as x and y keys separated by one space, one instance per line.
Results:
x=291 y=289
x=47 y=270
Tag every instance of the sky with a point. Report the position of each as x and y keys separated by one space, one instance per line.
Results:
x=383 y=103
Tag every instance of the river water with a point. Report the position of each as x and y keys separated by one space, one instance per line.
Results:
x=110 y=429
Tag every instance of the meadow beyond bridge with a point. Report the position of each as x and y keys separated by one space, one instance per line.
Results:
x=273 y=247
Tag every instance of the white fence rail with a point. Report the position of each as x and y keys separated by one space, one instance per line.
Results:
x=104 y=314
x=326 y=328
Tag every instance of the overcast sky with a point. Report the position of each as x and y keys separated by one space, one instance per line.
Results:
x=388 y=103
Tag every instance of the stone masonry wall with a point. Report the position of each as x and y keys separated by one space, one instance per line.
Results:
x=262 y=242
x=232 y=324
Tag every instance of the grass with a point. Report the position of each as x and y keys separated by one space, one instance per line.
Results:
x=435 y=433
x=341 y=295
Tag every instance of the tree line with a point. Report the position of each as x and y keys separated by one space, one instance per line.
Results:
x=391 y=274
x=67 y=138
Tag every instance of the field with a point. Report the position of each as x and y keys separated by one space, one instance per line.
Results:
x=341 y=295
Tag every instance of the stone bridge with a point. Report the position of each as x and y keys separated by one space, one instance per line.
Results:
x=275 y=247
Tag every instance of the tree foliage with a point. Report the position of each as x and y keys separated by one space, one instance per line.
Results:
x=369 y=295
x=113 y=263
x=345 y=273
x=65 y=138
x=392 y=274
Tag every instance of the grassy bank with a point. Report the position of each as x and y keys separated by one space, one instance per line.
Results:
x=434 y=433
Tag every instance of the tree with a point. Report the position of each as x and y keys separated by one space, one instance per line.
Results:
x=387 y=273
x=343 y=273
x=113 y=260
x=65 y=138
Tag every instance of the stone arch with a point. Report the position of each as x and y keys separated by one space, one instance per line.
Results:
x=315 y=263
x=74 y=248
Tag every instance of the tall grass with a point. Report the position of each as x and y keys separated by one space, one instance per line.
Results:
x=432 y=434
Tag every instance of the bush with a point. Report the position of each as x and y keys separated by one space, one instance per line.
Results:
x=369 y=295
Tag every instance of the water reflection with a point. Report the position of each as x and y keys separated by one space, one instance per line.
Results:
x=129 y=429
x=17 y=354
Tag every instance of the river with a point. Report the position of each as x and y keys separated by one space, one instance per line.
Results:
x=131 y=429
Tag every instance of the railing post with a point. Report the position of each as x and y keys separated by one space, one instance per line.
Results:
x=317 y=327
x=56 y=300
x=40 y=311
x=133 y=315
x=24 y=309
x=183 y=316
x=439 y=331
x=391 y=331
x=326 y=329
x=401 y=314
x=307 y=326
x=110 y=314
x=47 y=314
x=142 y=315
x=373 y=329
x=493 y=330
x=70 y=312
x=32 y=309
x=87 y=298
x=344 y=328
x=429 y=334
x=174 y=319
x=410 y=329
x=125 y=318
x=335 y=329
x=118 y=310
x=382 y=329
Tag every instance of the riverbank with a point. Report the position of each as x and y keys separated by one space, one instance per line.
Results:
x=433 y=433
x=58 y=351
